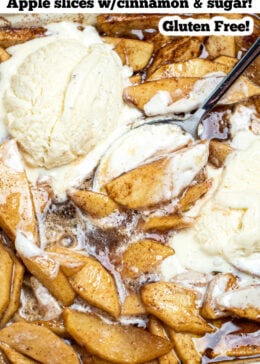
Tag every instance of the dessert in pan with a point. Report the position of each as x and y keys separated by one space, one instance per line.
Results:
x=126 y=244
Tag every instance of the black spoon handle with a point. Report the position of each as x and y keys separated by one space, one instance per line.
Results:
x=233 y=75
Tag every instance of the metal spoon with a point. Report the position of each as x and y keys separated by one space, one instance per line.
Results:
x=191 y=124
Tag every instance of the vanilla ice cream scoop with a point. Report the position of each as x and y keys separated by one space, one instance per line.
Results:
x=64 y=98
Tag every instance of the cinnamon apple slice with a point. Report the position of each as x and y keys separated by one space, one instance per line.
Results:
x=16 y=206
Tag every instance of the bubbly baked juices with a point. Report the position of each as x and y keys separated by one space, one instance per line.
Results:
x=147 y=242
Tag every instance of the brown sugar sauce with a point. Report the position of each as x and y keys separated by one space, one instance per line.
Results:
x=106 y=239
